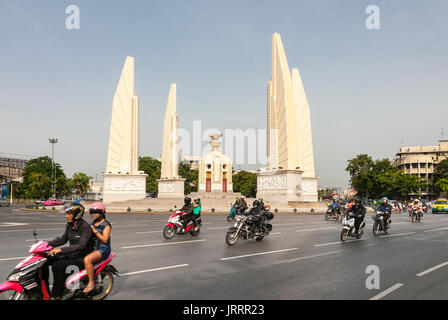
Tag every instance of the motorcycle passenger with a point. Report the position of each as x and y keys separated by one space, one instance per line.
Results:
x=335 y=206
x=101 y=229
x=242 y=206
x=418 y=207
x=197 y=207
x=359 y=212
x=188 y=211
x=386 y=208
x=79 y=235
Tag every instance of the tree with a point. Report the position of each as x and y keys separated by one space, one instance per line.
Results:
x=191 y=177
x=246 y=183
x=41 y=169
x=441 y=176
x=359 y=169
x=152 y=168
x=79 y=183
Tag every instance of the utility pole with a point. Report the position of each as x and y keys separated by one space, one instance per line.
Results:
x=53 y=141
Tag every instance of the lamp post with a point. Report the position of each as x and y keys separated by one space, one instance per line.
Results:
x=53 y=141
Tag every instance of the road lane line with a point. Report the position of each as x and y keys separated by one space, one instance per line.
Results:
x=303 y=230
x=274 y=233
x=258 y=254
x=31 y=230
x=148 y=231
x=432 y=269
x=308 y=257
x=156 y=269
x=396 y=235
x=386 y=292
x=17 y=258
x=337 y=242
x=217 y=228
x=162 y=244
x=436 y=229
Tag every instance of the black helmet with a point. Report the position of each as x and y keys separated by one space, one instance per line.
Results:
x=187 y=200
x=256 y=203
x=77 y=210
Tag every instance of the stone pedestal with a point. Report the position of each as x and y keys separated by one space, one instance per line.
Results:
x=124 y=187
x=285 y=187
x=170 y=188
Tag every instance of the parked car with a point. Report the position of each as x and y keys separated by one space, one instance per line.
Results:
x=53 y=202
x=440 y=206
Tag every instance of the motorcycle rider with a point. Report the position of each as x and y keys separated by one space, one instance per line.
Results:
x=418 y=207
x=80 y=237
x=256 y=212
x=335 y=206
x=359 y=212
x=386 y=208
x=188 y=210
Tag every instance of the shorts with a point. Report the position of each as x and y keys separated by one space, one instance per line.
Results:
x=105 y=252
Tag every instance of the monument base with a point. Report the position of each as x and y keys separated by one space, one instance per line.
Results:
x=170 y=188
x=286 y=187
x=123 y=187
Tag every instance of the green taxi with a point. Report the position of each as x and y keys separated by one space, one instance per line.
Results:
x=440 y=206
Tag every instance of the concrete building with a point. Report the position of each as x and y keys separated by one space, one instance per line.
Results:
x=11 y=167
x=422 y=161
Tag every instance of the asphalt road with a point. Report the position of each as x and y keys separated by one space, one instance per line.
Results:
x=303 y=258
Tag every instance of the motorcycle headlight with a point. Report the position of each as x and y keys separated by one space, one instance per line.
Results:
x=15 y=276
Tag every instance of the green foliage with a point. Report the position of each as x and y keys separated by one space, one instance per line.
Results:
x=79 y=184
x=376 y=179
x=152 y=168
x=246 y=183
x=191 y=177
x=441 y=176
x=37 y=178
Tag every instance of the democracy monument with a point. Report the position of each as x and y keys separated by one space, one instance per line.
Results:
x=288 y=181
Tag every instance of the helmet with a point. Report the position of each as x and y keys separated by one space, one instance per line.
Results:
x=187 y=200
x=97 y=207
x=256 y=203
x=357 y=201
x=242 y=197
x=77 y=210
x=384 y=198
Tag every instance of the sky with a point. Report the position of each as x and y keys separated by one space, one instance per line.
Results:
x=369 y=91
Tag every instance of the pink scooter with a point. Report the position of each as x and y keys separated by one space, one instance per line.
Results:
x=25 y=282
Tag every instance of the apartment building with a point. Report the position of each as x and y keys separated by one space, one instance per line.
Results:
x=422 y=161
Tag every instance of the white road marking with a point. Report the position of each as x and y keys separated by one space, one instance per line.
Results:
x=147 y=232
x=386 y=292
x=275 y=233
x=156 y=269
x=217 y=228
x=31 y=230
x=436 y=229
x=396 y=235
x=12 y=224
x=17 y=258
x=308 y=257
x=337 y=242
x=258 y=254
x=303 y=230
x=287 y=224
x=163 y=244
x=432 y=269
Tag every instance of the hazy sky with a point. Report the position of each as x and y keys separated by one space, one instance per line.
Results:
x=368 y=90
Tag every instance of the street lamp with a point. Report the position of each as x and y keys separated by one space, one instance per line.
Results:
x=53 y=141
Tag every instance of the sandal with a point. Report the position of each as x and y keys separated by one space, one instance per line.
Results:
x=89 y=289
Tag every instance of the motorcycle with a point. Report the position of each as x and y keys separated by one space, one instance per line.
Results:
x=25 y=282
x=416 y=216
x=348 y=228
x=175 y=226
x=379 y=224
x=244 y=229
x=333 y=213
x=233 y=212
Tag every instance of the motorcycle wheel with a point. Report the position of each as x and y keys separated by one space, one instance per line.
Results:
x=231 y=237
x=413 y=218
x=169 y=232
x=344 y=235
x=108 y=283
x=11 y=294
x=376 y=228
x=230 y=218
x=259 y=238
x=195 y=233
x=327 y=217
